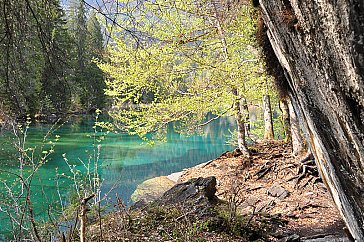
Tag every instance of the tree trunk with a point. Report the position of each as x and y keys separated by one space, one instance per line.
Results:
x=283 y=106
x=268 y=123
x=240 y=124
x=297 y=141
x=246 y=117
x=320 y=47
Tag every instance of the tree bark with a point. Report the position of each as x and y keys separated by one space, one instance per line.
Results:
x=283 y=106
x=320 y=47
x=240 y=124
x=268 y=123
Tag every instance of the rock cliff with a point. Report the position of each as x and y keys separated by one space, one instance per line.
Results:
x=319 y=44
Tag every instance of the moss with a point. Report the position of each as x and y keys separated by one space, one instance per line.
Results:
x=273 y=65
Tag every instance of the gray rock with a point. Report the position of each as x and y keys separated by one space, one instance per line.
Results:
x=152 y=189
x=278 y=191
x=195 y=191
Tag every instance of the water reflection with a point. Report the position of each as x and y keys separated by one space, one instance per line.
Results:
x=125 y=161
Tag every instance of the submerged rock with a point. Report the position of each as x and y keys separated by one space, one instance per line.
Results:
x=152 y=189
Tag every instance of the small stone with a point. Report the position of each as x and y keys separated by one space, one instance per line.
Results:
x=278 y=191
x=265 y=206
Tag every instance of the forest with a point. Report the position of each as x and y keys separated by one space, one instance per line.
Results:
x=47 y=54
x=161 y=69
x=69 y=63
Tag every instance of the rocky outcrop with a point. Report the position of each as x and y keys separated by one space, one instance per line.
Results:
x=319 y=44
x=197 y=192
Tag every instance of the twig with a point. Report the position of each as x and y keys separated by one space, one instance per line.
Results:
x=251 y=217
x=83 y=215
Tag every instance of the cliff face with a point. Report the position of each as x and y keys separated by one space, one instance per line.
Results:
x=319 y=44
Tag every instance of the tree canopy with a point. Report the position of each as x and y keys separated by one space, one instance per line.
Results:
x=183 y=60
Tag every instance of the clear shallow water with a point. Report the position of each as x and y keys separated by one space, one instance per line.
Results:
x=125 y=161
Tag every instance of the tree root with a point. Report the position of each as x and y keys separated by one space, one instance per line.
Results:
x=307 y=169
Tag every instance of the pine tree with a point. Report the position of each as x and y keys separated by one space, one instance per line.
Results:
x=78 y=31
x=32 y=58
x=94 y=39
x=94 y=96
x=57 y=47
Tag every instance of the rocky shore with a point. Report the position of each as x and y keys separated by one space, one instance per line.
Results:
x=270 y=196
x=275 y=183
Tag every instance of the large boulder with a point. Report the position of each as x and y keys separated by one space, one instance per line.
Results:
x=195 y=192
x=320 y=45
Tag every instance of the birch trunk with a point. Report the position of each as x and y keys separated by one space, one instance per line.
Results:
x=240 y=124
x=268 y=122
x=246 y=117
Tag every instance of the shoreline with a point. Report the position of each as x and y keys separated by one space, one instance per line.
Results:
x=176 y=176
x=153 y=188
x=264 y=185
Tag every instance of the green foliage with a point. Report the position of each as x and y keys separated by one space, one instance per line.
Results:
x=54 y=80
x=89 y=80
x=20 y=58
x=178 y=66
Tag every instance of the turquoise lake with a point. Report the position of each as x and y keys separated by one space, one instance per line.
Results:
x=125 y=161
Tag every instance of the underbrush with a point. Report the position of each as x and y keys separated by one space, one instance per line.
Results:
x=177 y=223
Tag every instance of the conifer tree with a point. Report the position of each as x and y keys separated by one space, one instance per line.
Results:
x=56 y=87
x=30 y=42
x=94 y=96
x=88 y=78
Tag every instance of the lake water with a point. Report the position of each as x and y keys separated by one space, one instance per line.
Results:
x=125 y=161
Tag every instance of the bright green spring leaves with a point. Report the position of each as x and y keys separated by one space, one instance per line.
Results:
x=178 y=61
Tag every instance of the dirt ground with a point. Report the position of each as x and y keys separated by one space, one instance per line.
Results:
x=274 y=182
